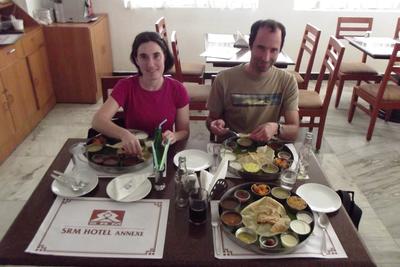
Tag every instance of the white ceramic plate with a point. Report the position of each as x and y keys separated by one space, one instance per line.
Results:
x=319 y=197
x=63 y=190
x=196 y=160
x=140 y=192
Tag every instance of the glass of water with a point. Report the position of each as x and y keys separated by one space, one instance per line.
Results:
x=288 y=177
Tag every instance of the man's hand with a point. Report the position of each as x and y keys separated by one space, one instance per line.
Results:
x=217 y=127
x=264 y=132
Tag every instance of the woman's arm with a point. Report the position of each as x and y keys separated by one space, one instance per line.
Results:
x=182 y=129
x=102 y=123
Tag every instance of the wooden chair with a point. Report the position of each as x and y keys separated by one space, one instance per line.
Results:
x=383 y=96
x=397 y=31
x=354 y=71
x=309 y=44
x=311 y=104
x=192 y=72
x=198 y=93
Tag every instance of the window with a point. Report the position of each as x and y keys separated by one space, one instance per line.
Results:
x=368 y=5
x=231 y=4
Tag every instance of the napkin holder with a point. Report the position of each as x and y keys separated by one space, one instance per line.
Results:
x=212 y=182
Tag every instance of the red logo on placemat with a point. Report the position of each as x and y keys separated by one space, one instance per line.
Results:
x=107 y=217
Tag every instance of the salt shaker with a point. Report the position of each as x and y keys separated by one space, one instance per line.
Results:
x=304 y=156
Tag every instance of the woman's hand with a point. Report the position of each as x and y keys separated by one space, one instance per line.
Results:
x=169 y=135
x=131 y=144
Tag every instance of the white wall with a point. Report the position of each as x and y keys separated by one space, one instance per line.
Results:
x=192 y=24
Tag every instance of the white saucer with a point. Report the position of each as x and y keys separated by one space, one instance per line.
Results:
x=140 y=192
x=319 y=197
x=63 y=190
x=196 y=160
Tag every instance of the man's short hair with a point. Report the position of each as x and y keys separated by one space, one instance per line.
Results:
x=271 y=24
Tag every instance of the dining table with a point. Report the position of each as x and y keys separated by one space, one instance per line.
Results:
x=220 y=52
x=185 y=244
x=377 y=48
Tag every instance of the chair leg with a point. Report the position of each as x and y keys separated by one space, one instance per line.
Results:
x=372 y=122
x=310 y=129
x=388 y=113
x=353 y=104
x=339 y=92
x=321 y=128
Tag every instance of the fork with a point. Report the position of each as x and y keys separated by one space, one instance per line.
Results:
x=68 y=180
x=215 y=225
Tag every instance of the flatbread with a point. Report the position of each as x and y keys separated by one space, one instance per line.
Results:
x=266 y=216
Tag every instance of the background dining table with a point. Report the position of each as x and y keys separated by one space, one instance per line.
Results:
x=224 y=44
x=185 y=244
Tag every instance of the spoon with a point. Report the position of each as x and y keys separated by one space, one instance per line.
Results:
x=323 y=222
x=216 y=228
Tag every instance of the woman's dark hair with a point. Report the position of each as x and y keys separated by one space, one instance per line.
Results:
x=270 y=24
x=145 y=37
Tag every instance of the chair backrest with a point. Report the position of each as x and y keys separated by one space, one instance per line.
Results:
x=177 y=61
x=309 y=44
x=392 y=70
x=397 y=31
x=161 y=29
x=353 y=26
x=330 y=64
x=108 y=83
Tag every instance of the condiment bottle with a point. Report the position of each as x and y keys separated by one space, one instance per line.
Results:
x=304 y=156
x=185 y=181
x=181 y=196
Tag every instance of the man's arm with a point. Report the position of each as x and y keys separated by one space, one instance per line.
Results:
x=290 y=129
x=286 y=131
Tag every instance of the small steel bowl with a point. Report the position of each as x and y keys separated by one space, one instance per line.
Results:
x=246 y=235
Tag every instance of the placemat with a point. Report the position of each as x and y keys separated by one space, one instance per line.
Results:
x=100 y=227
x=227 y=249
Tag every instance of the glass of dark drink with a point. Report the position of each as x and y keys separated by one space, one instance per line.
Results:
x=198 y=204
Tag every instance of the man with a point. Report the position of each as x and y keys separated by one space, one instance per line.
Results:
x=251 y=97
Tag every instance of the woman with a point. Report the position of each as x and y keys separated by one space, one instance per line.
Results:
x=147 y=98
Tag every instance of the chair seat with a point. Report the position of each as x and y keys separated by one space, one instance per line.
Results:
x=195 y=69
x=357 y=68
x=297 y=76
x=392 y=92
x=198 y=92
x=309 y=99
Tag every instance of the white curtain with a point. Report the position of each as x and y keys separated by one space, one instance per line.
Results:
x=228 y=4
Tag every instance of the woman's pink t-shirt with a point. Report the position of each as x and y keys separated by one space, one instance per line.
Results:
x=144 y=110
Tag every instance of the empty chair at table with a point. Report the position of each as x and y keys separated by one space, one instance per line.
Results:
x=309 y=45
x=198 y=93
x=312 y=104
x=383 y=96
x=191 y=72
x=354 y=71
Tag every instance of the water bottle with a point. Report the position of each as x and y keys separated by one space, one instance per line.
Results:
x=304 y=156
x=181 y=196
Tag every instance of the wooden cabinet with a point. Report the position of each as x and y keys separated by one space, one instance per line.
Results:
x=79 y=54
x=36 y=55
x=26 y=93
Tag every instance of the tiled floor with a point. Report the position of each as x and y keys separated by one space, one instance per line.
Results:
x=371 y=169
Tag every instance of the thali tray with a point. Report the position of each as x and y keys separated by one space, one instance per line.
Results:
x=118 y=163
x=256 y=247
x=232 y=145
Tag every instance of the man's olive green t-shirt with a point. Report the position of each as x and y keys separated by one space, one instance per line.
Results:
x=244 y=101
